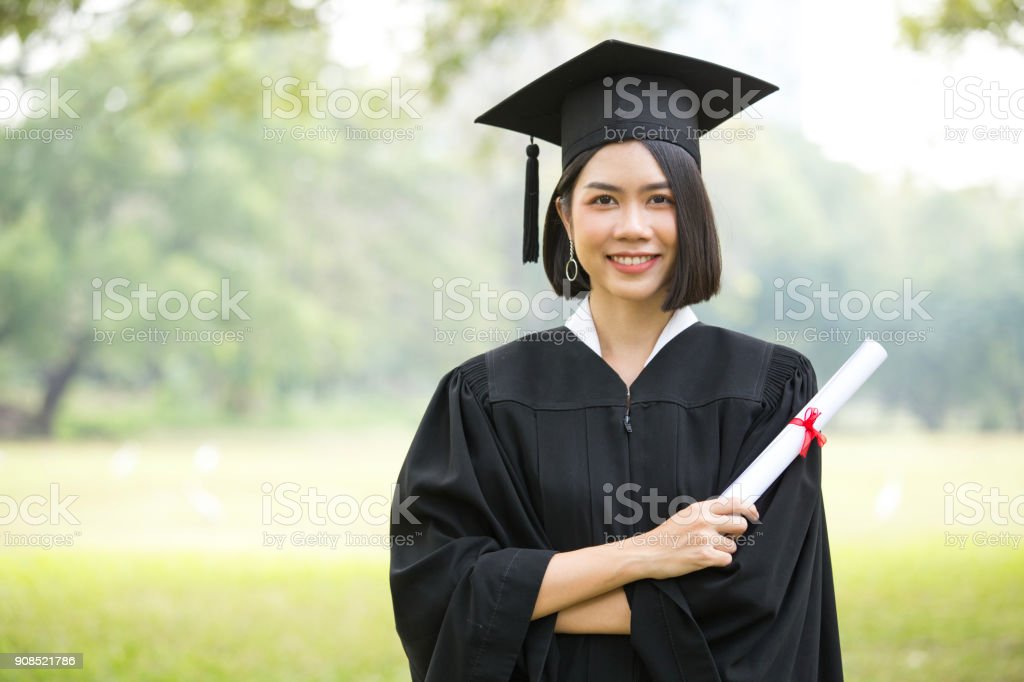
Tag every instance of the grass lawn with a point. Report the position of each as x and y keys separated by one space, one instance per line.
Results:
x=201 y=616
x=915 y=613
x=167 y=578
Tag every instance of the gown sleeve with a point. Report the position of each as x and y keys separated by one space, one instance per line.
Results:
x=467 y=551
x=770 y=614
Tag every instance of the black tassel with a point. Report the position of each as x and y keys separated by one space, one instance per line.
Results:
x=530 y=209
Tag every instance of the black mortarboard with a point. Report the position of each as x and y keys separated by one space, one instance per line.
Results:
x=615 y=91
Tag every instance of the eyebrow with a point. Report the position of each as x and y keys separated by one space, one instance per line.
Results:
x=614 y=188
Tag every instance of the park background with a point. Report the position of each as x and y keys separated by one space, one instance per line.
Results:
x=164 y=143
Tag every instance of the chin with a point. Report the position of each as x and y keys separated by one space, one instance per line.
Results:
x=634 y=291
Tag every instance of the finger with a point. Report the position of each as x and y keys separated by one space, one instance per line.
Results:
x=747 y=509
x=722 y=505
x=734 y=505
x=733 y=524
x=717 y=557
x=726 y=544
x=715 y=519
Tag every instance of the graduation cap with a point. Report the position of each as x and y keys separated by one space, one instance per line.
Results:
x=617 y=91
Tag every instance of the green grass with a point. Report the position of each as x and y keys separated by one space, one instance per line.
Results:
x=157 y=587
x=917 y=613
x=186 y=616
x=908 y=614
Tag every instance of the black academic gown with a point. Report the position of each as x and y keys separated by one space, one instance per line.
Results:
x=510 y=465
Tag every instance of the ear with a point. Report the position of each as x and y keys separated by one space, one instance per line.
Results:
x=561 y=214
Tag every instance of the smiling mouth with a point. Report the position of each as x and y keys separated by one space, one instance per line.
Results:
x=631 y=260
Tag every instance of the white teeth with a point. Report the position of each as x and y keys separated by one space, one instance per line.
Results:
x=631 y=260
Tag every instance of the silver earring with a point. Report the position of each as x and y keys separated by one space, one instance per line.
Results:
x=573 y=263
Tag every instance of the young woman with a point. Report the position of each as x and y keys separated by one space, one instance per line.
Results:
x=555 y=517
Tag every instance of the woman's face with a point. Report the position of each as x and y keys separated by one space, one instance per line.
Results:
x=622 y=208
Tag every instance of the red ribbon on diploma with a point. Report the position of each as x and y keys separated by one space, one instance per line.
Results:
x=811 y=433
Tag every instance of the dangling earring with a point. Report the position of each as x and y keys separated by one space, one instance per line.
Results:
x=573 y=263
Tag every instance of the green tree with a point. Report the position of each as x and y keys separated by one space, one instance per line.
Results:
x=955 y=19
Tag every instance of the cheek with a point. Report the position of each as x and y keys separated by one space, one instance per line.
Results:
x=591 y=229
x=667 y=232
x=591 y=218
x=669 y=237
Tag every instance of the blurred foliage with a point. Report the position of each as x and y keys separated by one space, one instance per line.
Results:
x=155 y=185
x=169 y=176
x=25 y=17
x=955 y=19
x=957 y=252
x=460 y=29
x=234 y=17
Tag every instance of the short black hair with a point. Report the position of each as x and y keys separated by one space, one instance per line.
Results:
x=698 y=266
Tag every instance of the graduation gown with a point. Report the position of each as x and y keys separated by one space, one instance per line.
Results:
x=511 y=463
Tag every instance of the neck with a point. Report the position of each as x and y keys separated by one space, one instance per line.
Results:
x=626 y=327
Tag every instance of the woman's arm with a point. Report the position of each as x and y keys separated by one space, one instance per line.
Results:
x=582 y=574
x=693 y=538
x=606 y=614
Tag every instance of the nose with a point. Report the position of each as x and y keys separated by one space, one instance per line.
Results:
x=633 y=224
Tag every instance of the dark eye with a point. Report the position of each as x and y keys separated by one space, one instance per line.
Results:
x=600 y=200
x=664 y=199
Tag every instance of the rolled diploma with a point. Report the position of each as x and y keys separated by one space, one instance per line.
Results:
x=774 y=459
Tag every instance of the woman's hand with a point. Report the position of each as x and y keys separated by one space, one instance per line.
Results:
x=694 y=538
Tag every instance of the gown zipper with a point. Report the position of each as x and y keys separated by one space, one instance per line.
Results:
x=625 y=420
x=629 y=429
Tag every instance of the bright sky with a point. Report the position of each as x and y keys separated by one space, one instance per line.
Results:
x=889 y=110
x=845 y=80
